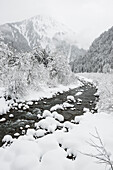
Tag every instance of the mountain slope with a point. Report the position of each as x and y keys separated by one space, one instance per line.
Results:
x=99 y=57
x=36 y=31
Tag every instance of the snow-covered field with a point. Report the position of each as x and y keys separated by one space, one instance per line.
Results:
x=64 y=145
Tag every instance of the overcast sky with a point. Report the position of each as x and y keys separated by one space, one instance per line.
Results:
x=88 y=18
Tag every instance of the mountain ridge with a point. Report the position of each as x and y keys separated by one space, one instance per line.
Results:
x=99 y=57
x=38 y=30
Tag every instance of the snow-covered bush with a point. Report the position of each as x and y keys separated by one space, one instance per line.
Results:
x=60 y=69
x=34 y=70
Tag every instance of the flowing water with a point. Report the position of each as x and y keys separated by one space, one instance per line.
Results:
x=21 y=118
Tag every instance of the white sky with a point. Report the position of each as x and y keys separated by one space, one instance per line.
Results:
x=88 y=18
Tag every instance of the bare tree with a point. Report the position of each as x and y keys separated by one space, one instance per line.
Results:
x=102 y=156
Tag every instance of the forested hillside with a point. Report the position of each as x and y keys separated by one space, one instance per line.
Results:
x=99 y=57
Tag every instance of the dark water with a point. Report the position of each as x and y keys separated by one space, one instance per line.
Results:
x=29 y=117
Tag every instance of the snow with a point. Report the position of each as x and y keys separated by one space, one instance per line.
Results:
x=78 y=118
x=27 y=126
x=46 y=113
x=71 y=98
x=57 y=116
x=61 y=106
x=52 y=147
x=56 y=107
x=16 y=134
x=11 y=115
x=47 y=92
x=3 y=106
x=3 y=119
x=67 y=105
x=104 y=84
x=79 y=100
x=79 y=103
x=21 y=128
x=85 y=79
x=20 y=105
x=15 y=104
x=25 y=162
x=7 y=138
x=49 y=124
x=45 y=152
x=86 y=109
x=68 y=125
x=78 y=93
x=39 y=116
x=29 y=103
x=40 y=133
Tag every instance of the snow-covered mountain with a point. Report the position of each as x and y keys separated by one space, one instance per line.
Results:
x=99 y=57
x=37 y=31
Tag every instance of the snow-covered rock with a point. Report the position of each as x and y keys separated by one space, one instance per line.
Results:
x=11 y=115
x=30 y=132
x=56 y=107
x=20 y=105
x=16 y=134
x=57 y=116
x=40 y=133
x=49 y=124
x=3 y=119
x=71 y=98
x=29 y=103
x=79 y=100
x=7 y=139
x=78 y=93
x=27 y=126
x=86 y=109
x=67 y=105
x=15 y=104
x=78 y=118
x=68 y=125
x=46 y=113
x=55 y=150
x=25 y=107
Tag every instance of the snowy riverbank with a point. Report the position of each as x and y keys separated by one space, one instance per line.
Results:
x=63 y=149
x=63 y=145
x=104 y=82
x=45 y=92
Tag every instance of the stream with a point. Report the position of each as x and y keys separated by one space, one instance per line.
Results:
x=21 y=119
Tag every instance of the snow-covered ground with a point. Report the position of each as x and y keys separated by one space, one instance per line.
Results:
x=68 y=147
x=104 y=83
x=35 y=95
x=49 y=92
x=35 y=150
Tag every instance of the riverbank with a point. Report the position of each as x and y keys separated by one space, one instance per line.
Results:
x=68 y=104
x=104 y=83
x=57 y=144
x=45 y=91
x=64 y=148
